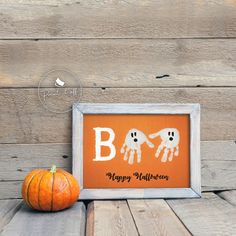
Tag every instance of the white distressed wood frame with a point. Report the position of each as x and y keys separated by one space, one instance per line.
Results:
x=79 y=109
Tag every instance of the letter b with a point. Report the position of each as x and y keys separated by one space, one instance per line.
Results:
x=108 y=143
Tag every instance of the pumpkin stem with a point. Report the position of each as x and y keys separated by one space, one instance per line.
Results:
x=53 y=169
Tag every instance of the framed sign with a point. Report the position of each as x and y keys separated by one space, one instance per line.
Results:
x=137 y=150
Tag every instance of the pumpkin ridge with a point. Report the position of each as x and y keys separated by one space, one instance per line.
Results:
x=28 y=186
x=39 y=190
x=52 y=190
x=68 y=184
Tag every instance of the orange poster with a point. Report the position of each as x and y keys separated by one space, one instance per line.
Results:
x=136 y=151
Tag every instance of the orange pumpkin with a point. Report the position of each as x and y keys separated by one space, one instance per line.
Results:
x=52 y=190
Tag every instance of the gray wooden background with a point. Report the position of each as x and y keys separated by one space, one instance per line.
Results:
x=117 y=48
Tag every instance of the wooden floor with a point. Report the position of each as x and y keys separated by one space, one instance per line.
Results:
x=213 y=214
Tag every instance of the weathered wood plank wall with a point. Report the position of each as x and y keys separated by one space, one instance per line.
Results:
x=117 y=19
x=117 y=49
x=121 y=62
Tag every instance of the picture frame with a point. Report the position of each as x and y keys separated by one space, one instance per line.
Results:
x=80 y=110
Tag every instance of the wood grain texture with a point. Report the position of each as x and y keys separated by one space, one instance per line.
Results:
x=110 y=218
x=117 y=19
x=218 y=174
x=23 y=118
x=16 y=160
x=90 y=220
x=218 y=150
x=68 y=222
x=218 y=164
x=10 y=189
x=155 y=217
x=121 y=62
x=136 y=193
x=229 y=196
x=209 y=215
x=8 y=208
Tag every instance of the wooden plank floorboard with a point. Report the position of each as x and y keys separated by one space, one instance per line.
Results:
x=209 y=215
x=120 y=62
x=122 y=19
x=110 y=218
x=8 y=209
x=155 y=217
x=28 y=222
x=229 y=196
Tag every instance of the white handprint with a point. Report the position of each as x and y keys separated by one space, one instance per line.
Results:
x=133 y=141
x=170 y=140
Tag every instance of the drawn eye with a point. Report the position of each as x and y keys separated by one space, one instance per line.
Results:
x=135 y=133
x=132 y=135
x=169 y=133
x=173 y=134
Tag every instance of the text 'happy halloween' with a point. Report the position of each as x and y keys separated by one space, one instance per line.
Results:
x=136 y=175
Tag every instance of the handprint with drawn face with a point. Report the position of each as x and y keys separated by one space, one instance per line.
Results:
x=169 y=143
x=133 y=141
